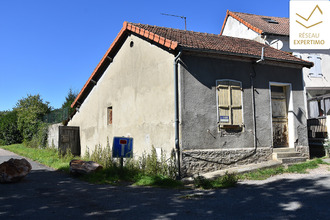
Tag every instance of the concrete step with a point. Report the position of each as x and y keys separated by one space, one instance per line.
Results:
x=284 y=149
x=292 y=160
x=287 y=156
x=280 y=155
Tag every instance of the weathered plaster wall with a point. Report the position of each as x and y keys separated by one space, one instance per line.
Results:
x=199 y=130
x=234 y=28
x=52 y=139
x=139 y=86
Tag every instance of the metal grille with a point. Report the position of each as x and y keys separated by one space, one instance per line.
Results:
x=57 y=116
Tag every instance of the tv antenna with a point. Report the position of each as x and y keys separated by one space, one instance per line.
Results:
x=178 y=16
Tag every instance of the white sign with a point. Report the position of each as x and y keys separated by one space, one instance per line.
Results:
x=309 y=24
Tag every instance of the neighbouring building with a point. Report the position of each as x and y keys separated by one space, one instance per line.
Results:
x=214 y=99
x=274 y=31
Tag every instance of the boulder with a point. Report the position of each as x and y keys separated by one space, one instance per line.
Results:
x=14 y=170
x=84 y=167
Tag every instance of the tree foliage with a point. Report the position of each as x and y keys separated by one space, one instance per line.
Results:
x=69 y=99
x=30 y=112
x=9 y=133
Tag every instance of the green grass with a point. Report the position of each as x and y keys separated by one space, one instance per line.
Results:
x=263 y=174
x=47 y=156
x=113 y=174
x=226 y=181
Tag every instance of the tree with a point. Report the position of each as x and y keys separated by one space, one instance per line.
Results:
x=30 y=112
x=9 y=133
x=69 y=99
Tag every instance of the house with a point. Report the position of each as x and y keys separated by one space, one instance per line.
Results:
x=208 y=97
x=274 y=31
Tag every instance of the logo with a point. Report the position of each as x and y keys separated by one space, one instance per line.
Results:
x=309 y=24
x=316 y=7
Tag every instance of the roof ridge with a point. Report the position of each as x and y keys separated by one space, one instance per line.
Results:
x=176 y=29
x=257 y=14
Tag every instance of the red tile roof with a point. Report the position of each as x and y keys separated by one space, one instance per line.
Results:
x=189 y=40
x=259 y=23
x=175 y=40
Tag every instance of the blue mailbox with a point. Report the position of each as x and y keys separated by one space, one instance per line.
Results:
x=122 y=147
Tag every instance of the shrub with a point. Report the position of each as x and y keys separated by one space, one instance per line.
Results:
x=30 y=112
x=9 y=133
x=39 y=140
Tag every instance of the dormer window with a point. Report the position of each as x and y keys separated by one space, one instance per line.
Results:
x=269 y=20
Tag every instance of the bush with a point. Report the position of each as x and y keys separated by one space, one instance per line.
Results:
x=39 y=140
x=9 y=133
x=148 y=164
x=152 y=165
x=30 y=112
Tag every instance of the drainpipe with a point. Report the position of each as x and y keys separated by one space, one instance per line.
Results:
x=262 y=55
x=252 y=76
x=176 y=106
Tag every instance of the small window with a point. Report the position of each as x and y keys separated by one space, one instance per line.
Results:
x=229 y=95
x=109 y=113
x=316 y=70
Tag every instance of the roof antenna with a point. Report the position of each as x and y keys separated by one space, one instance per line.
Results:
x=183 y=17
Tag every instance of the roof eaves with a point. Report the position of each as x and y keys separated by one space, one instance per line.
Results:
x=154 y=37
x=224 y=22
x=245 y=22
x=89 y=81
x=302 y=62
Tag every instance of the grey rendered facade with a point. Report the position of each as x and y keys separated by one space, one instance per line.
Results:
x=205 y=147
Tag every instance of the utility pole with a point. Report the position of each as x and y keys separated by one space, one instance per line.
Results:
x=178 y=16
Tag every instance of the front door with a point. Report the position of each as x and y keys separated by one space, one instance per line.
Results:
x=279 y=116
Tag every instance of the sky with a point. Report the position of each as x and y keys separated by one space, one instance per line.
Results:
x=48 y=47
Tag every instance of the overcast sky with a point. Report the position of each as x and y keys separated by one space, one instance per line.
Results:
x=50 y=46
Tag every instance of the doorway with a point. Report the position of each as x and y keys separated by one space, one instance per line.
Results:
x=279 y=115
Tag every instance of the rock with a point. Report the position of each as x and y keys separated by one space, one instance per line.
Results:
x=14 y=170
x=84 y=167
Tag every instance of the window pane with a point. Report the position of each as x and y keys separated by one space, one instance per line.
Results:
x=313 y=109
x=327 y=106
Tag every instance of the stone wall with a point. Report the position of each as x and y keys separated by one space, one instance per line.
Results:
x=303 y=150
x=202 y=161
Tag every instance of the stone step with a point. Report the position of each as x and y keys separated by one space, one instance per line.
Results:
x=284 y=149
x=280 y=155
x=292 y=160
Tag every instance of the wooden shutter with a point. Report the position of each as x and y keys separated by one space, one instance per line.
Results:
x=230 y=103
x=224 y=102
x=236 y=103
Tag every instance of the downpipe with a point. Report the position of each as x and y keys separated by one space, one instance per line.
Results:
x=176 y=106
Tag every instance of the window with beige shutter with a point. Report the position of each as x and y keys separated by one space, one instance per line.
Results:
x=229 y=94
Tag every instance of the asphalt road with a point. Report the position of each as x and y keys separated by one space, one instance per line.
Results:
x=48 y=194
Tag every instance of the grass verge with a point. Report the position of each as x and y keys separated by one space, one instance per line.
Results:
x=112 y=174
x=46 y=156
x=263 y=174
x=132 y=175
